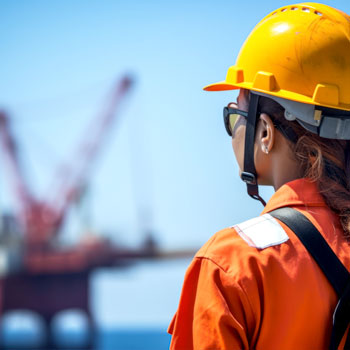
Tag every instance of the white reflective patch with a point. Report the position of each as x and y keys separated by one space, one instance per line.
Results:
x=262 y=232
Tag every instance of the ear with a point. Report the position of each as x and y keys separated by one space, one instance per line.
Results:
x=265 y=136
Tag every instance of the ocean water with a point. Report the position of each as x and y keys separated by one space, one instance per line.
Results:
x=133 y=340
x=112 y=339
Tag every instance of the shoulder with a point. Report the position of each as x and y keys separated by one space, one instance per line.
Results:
x=239 y=245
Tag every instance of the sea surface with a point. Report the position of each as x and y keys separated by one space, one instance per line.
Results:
x=126 y=339
x=133 y=340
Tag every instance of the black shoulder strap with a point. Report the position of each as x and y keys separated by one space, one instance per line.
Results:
x=331 y=266
x=317 y=246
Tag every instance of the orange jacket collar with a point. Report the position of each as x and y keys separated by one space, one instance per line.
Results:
x=297 y=192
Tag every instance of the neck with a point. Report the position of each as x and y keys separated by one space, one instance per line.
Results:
x=285 y=169
x=279 y=181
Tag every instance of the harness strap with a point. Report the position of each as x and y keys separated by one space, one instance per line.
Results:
x=329 y=263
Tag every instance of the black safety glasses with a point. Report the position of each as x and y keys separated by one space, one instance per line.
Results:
x=231 y=116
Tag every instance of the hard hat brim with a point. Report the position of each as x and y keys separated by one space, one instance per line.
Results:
x=221 y=86
x=224 y=85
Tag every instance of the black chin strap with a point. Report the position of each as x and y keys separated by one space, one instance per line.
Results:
x=249 y=175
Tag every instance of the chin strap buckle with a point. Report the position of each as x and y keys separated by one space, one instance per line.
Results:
x=248 y=178
x=249 y=174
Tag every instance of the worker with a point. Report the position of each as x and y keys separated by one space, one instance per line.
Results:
x=254 y=285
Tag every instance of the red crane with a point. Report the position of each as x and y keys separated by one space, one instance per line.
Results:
x=41 y=219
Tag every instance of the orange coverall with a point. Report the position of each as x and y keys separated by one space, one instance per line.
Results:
x=237 y=296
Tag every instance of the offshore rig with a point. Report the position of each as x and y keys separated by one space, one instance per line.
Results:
x=38 y=274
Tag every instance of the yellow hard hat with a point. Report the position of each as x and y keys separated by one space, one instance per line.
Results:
x=299 y=52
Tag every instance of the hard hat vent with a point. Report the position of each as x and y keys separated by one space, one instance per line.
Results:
x=300 y=8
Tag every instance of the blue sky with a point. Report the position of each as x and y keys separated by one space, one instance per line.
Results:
x=168 y=154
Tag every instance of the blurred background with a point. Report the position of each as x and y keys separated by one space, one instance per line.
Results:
x=115 y=165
